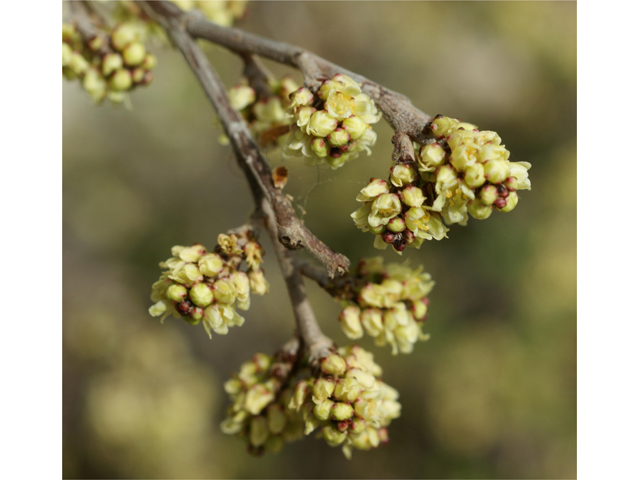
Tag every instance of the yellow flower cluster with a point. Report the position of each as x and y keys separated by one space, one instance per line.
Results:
x=267 y=116
x=347 y=401
x=110 y=65
x=464 y=172
x=201 y=286
x=389 y=303
x=259 y=414
x=471 y=171
x=218 y=11
x=333 y=125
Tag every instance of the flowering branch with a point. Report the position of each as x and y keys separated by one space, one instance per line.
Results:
x=291 y=232
x=284 y=227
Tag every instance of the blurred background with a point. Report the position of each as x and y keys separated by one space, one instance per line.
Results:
x=491 y=395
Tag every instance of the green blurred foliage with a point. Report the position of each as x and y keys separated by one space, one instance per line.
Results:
x=492 y=394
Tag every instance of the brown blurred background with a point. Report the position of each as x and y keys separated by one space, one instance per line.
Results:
x=491 y=395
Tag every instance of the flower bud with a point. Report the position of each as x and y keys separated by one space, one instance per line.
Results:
x=299 y=395
x=474 y=175
x=258 y=431
x=303 y=115
x=320 y=147
x=396 y=225
x=419 y=310
x=492 y=151
x=477 y=209
x=446 y=177
x=258 y=282
x=512 y=201
x=496 y=171
x=210 y=264
x=339 y=137
x=224 y=291
x=431 y=157
x=212 y=317
x=138 y=74
x=176 y=293
x=133 y=54
x=519 y=170
x=241 y=96
x=358 y=425
x=322 y=389
x=323 y=409
x=334 y=364
x=486 y=136
x=321 y=124
x=402 y=175
x=371 y=319
x=413 y=196
x=377 y=230
x=384 y=208
x=123 y=35
x=158 y=309
x=79 y=65
x=121 y=80
x=201 y=295
x=461 y=136
x=94 y=84
x=150 y=61
x=196 y=315
x=355 y=126
x=333 y=436
x=341 y=411
x=258 y=397
x=67 y=53
x=276 y=418
x=375 y=188
x=350 y=322
x=464 y=155
x=489 y=194
x=442 y=126
x=301 y=97
x=347 y=389
x=511 y=183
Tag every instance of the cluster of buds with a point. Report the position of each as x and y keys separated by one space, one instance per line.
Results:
x=201 y=286
x=347 y=401
x=333 y=125
x=259 y=413
x=388 y=302
x=222 y=12
x=464 y=172
x=397 y=211
x=471 y=171
x=109 y=64
x=267 y=115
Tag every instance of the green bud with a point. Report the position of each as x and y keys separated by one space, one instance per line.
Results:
x=341 y=411
x=258 y=397
x=196 y=315
x=201 y=295
x=176 y=293
x=69 y=33
x=402 y=175
x=320 y=147
x=322 y=389
x=442 y=126
x=512 y=201
x=489 y=194
x=377 y=230
x=474 y=175
x=299 y=395
x=431 y=157
x=358 y=425
x=477 y=209
x=347 y=389
x=333 y=436
x=121 y=80
x=258 y=431
x=67 y=53
x=322 y=410
x=413 y=197
x=397 y=224
x=79 y=65
x=321 y=124
x=334 y=364
x=262 y=362
x=496 y=171
x=301 y=97
x=224 y=291
x=339 y=137
x=95 y=85
x=110 y=63
x=95 y=43
x=462 y=136
x=134 y=54
x=276 y=418
x=355 y=126
x=464 y=155
x=350 y=322
x=210 y=264
x=150 y=61
x=122 y=35
x=418 y=309
x=138 y=74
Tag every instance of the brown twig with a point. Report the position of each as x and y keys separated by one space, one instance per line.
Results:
x=84 y=23
x=397 y=109
x=284 y=227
